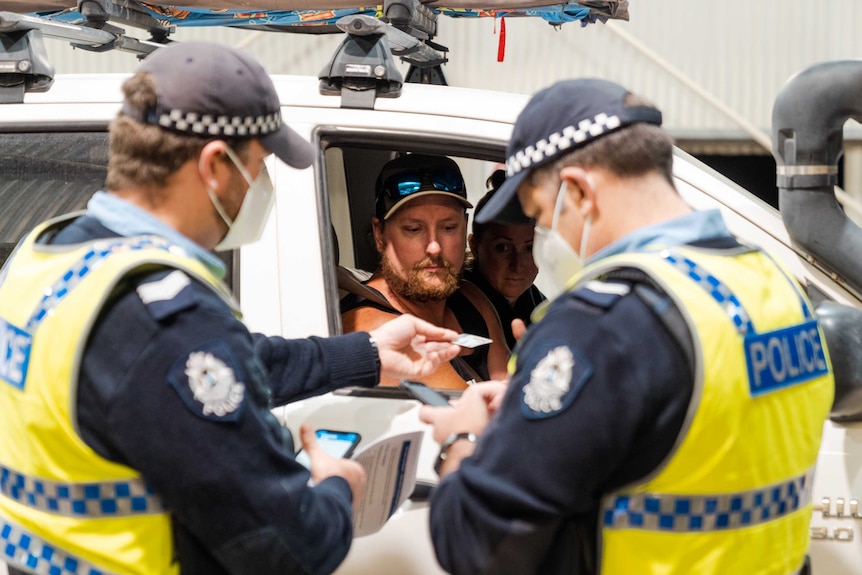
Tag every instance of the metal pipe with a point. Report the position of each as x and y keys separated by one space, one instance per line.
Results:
x=808 y=120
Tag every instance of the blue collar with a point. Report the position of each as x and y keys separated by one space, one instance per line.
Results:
x=697 y=225
x=126 y=219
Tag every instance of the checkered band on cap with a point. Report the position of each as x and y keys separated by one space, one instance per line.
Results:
x=228 y=126
x=557 y=142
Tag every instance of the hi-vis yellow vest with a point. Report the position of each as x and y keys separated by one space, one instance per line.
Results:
x=64 y=508
x=734 y=495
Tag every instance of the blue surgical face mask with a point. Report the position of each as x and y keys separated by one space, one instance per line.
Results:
x=554 y=256
x=254 y=212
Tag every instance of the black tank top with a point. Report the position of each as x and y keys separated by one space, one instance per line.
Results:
x=468 y=316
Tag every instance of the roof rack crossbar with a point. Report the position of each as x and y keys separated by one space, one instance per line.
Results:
x=99 y=12
x=80 y=36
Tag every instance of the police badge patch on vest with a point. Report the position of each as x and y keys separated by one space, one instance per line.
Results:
x=210 y=382
x=555 y=380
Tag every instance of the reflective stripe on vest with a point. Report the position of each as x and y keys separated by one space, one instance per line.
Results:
x=774 y=359
x=17 y=342
x=90 y=261
x=26 y=551
x=715 y=288
x=698 y=513
x=721 y=293
x=103 y=499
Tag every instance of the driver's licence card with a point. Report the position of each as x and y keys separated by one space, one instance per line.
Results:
x=471 y=340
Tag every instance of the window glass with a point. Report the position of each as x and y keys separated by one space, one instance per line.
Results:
x=46 y=174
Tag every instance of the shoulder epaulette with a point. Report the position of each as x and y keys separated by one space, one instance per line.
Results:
x=601 y=294
x=167 y=294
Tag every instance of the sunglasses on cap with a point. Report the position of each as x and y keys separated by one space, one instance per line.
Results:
x=398 y=186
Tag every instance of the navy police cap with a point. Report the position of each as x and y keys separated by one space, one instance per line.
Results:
x=557 y=120
x=216 y=91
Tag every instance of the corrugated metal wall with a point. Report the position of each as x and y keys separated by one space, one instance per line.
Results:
x=740 y=52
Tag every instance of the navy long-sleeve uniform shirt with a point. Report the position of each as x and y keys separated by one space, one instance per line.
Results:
x=527 y=500
x=239 y=501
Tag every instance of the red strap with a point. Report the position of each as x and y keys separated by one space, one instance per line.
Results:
x=501 y=47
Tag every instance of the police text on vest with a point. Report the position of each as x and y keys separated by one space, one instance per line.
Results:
x=784 y=357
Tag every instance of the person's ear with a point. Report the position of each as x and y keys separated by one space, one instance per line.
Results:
x=377 y=230
x=582 y=184
x=471 y=244
x=211 y=165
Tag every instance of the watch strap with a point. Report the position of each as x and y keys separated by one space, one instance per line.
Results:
x=444 y=447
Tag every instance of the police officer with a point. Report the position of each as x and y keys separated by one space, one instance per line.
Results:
x=134 y=404
x=664 y=414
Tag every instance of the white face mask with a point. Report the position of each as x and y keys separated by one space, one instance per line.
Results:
x=253 y=213
x=554 y=255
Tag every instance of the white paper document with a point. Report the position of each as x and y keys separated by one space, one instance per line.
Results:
x=390 y=464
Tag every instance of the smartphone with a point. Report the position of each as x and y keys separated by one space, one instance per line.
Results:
x=335 y=443
x=424 y=393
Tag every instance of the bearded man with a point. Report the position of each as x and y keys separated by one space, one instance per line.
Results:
x=420 y=232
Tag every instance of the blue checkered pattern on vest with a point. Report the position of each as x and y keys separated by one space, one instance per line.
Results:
x=28 y=552
x=90 y=261
x=721 y=293
x=715 y=288
x=103 y=499
x=698 y=513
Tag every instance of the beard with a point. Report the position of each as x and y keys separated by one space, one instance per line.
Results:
x=417 y=288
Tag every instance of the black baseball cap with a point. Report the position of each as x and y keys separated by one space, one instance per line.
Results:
x=416 y=175
x=213 y=90
x=511 y=212
x=557 y=120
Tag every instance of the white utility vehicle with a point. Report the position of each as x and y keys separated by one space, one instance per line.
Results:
x=53 y=152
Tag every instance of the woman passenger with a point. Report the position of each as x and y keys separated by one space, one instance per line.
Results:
x=502 y=265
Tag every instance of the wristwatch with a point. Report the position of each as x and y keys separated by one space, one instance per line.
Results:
x=444 y=447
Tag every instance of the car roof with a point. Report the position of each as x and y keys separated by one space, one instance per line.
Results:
x=302 y=91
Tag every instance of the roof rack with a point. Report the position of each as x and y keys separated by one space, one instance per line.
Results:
x=363 y=66
x=96 y=34
x=362 y=69
x=24 y=65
